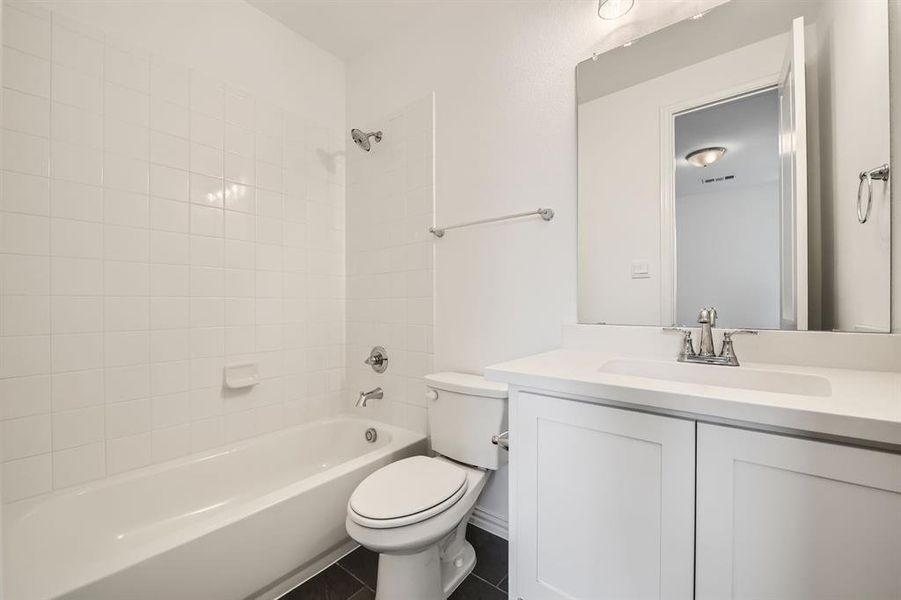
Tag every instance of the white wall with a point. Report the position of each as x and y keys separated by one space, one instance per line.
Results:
x=619 y=208
x=2 y=567
x=229 y=40
x=503 y=75
x=390 y=295
x=895 y=117
x=728 y=255
x=853 y=82
x=173 y=202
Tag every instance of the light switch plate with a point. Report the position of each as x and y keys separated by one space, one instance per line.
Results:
x=641 y=269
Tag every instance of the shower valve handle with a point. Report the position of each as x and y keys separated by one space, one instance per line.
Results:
x=377 y=359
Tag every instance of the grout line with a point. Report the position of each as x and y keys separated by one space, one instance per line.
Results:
x=151 y=459
x=365 y=586
x=50 y=190
x=104 y=49
x=340 y=567
x=351 y=573
x=497 y=587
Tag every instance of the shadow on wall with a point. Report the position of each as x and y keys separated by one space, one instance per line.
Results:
x=330 y=160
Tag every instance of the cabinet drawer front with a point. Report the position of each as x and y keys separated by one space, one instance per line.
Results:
x=781 y=517
x=603 y=501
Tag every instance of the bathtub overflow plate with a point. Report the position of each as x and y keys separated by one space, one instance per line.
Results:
x=371 y=435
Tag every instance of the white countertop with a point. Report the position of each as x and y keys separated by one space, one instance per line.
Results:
x=864 y=405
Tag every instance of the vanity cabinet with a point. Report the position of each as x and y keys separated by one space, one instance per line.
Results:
x=782 y=517
x=603 y=501
x=610 y=503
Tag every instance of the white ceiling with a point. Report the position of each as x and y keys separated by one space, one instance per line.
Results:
x=351 y=28
x=727 y=27
x=348 y=28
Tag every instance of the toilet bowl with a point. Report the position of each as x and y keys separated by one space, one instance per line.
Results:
x=423 y=554
x=414 y=512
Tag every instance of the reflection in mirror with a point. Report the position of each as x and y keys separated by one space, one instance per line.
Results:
x=727 y=211
x=719 y=165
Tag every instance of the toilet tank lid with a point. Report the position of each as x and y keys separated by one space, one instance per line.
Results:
x=466 y=383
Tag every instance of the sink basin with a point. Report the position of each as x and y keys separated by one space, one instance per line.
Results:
x=732 y=377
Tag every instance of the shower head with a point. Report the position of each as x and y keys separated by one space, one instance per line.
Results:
x=361 y=138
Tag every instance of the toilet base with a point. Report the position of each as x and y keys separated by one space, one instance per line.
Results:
x=423 y=575
x=453 y=575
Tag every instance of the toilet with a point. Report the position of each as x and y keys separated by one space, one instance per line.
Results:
x=414 y=512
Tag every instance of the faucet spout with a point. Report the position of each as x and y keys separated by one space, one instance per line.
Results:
x=707 y=320
x=376 y=394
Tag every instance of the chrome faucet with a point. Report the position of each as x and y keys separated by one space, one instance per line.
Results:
x=707 y=320
x=376 y=394
x=706 y=354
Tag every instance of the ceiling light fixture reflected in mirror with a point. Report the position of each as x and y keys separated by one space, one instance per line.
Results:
x=705 y=156
x=614 y=9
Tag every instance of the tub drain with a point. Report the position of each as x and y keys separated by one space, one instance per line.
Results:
x=371 y=435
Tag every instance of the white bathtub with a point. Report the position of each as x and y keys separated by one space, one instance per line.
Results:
x=236 y=522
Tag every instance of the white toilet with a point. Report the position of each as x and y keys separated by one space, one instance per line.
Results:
x=414 y=512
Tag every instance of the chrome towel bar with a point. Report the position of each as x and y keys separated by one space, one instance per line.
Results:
x=545 y=213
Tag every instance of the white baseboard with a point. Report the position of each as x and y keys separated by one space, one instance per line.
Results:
x=490 y=522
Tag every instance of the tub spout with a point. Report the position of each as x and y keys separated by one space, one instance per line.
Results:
x=376 y=394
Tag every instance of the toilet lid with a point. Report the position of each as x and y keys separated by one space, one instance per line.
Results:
x=409 y=490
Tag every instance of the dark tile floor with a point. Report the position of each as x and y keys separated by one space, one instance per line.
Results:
x=354 y=576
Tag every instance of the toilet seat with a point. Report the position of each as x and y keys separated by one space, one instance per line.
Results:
x=407 y=491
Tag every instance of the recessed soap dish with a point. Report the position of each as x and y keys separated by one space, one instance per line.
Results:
x=241 y=375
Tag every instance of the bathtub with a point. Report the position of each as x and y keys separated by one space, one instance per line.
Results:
x=246 y=520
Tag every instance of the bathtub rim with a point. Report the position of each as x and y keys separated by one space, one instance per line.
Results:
x=401 y=438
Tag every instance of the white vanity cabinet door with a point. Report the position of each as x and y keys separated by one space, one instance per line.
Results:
x=786 y=518
x=603 y=502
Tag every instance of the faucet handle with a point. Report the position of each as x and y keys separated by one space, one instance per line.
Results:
x=688 y=347
x=729 y=334
x=377 y=359
x=728 y=350
x=686 y=333
x=683 y=330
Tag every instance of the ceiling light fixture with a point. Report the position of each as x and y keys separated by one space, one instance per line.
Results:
x=614 y=9
x=705 y=156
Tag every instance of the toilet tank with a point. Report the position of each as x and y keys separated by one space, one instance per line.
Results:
x=465 y=411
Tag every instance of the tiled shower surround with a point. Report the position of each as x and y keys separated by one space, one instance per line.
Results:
x=156 y=225
x=390 y=262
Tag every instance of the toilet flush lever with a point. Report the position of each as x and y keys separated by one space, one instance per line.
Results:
x=502 y=440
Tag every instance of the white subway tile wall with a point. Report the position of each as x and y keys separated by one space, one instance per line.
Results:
x=390 y=264
x=155 y=225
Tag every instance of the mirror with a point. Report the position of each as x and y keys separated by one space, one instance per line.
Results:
x=735 y=160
